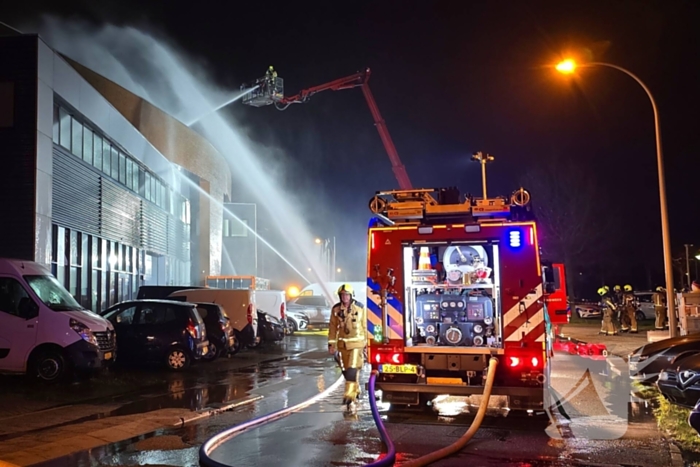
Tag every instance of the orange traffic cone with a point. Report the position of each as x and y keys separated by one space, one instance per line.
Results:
x=424 y=260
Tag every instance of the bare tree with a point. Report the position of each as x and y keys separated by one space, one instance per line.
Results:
x=574 y=220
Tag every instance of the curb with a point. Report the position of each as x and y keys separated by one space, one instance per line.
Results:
x=182 y=421
x=676 y=456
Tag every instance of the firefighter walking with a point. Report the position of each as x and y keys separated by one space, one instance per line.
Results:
x=608 y=325
x=629 y=310
x=347 y=335
x=618 y=316
x=660 y=307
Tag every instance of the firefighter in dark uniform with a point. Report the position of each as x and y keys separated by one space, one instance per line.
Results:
x=619 y=314
x=347 y=335
x=629 y=308
x=609 y=308
x=660 y=307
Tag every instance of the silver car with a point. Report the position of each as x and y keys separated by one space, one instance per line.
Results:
x=645 y=305
x=316 y=307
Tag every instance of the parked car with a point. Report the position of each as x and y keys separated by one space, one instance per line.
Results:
x=163 y=331
x=296 y=320
x=586 y=310
x=44 y=332
x=316 y=307
x=646 y=362
x=271 y=329
x=219 y=331
x=161 y=292
x=272 y=302
x=680 y=384
x=645 y=305
x=239 y=306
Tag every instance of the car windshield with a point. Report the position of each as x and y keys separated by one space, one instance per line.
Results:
x=52 y=293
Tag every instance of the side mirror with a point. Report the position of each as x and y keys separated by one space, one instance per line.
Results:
x=27 y=308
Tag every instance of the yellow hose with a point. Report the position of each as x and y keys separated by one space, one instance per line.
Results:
x=461 y=442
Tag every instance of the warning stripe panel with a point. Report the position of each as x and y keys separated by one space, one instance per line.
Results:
x=527 y=327
x=522 y=317
x=527 y=301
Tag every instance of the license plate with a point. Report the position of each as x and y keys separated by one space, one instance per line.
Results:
x=399 y=369
x=108 y=355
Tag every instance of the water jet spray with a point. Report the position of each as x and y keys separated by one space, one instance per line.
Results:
x=230 y=101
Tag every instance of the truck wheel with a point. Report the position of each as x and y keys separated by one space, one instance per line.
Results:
x=177 y=359
x=640 y=316
x=49 y=366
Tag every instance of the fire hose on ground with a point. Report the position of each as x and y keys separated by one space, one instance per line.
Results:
x=434 y=456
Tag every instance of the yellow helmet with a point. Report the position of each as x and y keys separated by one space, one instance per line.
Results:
x=628 y=288
x=617 y=288
x=346 y=288
x=602 y=291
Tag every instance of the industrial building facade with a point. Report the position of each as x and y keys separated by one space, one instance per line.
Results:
x=94 y=188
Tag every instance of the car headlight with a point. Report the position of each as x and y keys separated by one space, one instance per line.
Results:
x=663 y=376
x=83 y=331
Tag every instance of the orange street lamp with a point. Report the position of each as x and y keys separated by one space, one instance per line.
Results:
x=569 y=66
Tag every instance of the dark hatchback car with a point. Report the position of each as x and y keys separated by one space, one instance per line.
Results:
x=646 y=362
x=219 y=331
x=162 y=331
x=681 y=384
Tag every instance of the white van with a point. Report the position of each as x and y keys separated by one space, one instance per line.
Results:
x=44 y=332
x=239 y=306
x=272 y=302
x=332 y=288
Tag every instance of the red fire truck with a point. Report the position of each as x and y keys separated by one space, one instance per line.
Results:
x=452 y=281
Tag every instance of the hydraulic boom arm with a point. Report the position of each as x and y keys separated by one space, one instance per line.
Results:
x=360 y=80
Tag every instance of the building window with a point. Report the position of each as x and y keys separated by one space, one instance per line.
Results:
x=65 y=135
x=115 y=163
x=122 y=168
x=129 y=174
x=97 y=149
x=148 y=186
x=106 y=158
x=239 y=228
x=87 y=145
x=77 y=132
x=227 y=228
x=56 y=132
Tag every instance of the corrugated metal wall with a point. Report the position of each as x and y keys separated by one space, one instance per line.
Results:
x=86 y=200
x=18 y=66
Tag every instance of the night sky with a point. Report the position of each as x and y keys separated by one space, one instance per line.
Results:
x=452 y=78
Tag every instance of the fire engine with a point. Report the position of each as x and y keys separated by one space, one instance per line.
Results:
x=452 y=281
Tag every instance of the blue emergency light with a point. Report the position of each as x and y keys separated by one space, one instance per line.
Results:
x=515 y=238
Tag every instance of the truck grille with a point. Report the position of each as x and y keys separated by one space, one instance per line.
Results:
x=671 y=377
x=106 y=340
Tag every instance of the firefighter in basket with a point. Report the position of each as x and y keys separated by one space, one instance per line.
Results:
x=347 y=335
x=659 y=299
x=629 y=308
x=609 y=308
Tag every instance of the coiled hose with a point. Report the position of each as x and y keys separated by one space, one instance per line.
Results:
x=441 y=453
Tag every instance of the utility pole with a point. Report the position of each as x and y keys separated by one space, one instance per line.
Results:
x=483 y=159
x=687 y=264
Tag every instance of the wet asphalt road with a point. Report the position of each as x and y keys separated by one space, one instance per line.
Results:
x=323 y=434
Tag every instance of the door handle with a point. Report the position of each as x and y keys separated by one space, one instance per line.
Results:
x=30 y=326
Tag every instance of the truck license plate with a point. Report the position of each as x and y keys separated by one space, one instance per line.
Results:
x=399 y=369
x=108 y=355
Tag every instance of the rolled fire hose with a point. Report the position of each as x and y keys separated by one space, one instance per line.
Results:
x=448 y=450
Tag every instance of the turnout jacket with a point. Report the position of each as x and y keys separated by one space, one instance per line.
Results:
x=347 y=328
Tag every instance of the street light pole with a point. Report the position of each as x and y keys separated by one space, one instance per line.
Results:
x=568 y=66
